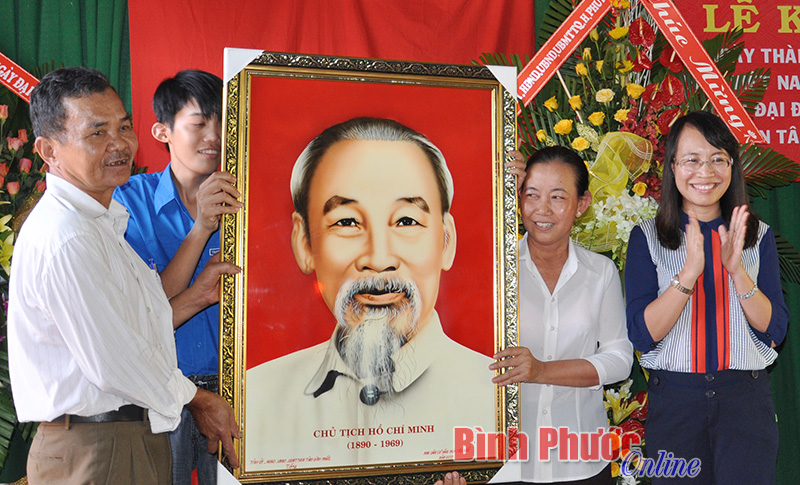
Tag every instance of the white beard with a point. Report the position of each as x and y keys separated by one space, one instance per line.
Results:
x=368 y=336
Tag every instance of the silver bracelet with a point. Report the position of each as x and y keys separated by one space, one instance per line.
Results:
x=749 y=293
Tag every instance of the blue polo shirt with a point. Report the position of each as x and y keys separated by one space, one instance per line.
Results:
x=158 y=224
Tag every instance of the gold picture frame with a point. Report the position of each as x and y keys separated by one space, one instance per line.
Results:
x=273 y=107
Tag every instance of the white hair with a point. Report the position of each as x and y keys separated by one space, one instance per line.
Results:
x=377 y=129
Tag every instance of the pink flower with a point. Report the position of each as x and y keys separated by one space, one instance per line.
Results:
x=13 y=188
x=14 y=144
x=3 y=111
x=25 y=165
x=22 y=134
x=40 y=186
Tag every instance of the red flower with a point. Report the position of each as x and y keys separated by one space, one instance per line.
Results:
x=641 y=33
x=22 y=134
x=633 y=426
x=666 y=120
x=641 y=62
x=641 y=413
x=14 y=144
x=13 y=188
x=670 y=60
x=672 y=93
x=3 y=170
x=40 y=186
x=25 y=165
x=651 y=95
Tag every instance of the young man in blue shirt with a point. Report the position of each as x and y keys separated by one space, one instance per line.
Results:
x=174 y=227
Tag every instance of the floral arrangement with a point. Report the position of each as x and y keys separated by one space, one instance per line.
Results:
x=614 y=100
x=21 y=180
x=626 y=414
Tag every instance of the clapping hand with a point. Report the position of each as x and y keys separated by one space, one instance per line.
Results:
x=732 y=240
x=695 y=256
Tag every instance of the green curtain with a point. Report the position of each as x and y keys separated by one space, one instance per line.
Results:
x=780 y=212
x=91 y=33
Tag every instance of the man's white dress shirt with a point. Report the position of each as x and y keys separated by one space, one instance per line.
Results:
x=89 y=325
x=584 y=318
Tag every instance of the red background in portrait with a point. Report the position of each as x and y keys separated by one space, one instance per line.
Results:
x=284 y=312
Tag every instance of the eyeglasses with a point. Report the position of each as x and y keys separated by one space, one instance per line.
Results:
x=719 y=164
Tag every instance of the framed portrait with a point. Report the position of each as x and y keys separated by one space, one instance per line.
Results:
x=378 y=251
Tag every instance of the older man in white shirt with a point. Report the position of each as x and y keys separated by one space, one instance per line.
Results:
x=91 y=350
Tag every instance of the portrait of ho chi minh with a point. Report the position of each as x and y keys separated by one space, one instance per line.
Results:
x=372 y=222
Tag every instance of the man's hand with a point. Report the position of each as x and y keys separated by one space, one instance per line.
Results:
x=216 y=196
x=452 y=478
x=521 y=366
x=206 y=286
x=215 y=420
x=203 y=292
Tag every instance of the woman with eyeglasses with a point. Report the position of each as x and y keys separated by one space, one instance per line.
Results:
x=705 y=308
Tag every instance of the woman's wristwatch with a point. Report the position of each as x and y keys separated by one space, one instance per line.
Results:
x=676 y=283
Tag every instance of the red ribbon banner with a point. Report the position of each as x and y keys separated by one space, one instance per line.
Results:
x=558 y=47
x=17 y=79
x=703 y=69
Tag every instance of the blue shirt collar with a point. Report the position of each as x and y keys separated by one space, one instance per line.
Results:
x=165 y=190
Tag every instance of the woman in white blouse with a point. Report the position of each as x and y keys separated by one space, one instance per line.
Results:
x=572 y=320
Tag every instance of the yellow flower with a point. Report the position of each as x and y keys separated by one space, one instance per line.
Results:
x=604 y=96
x=618 y=33
x=621 y=115
x=597 y=118
x=563 y=127
x=594 y=35
x=639 y=188
x=580 y=68
x=614 y=469
x=551 y=104
x=587 y=54
x=634 y=90
x=620 y=3
x=541 y=135
x=625 y=66
x=600 y=66
x=575 y=102
x=580 y=143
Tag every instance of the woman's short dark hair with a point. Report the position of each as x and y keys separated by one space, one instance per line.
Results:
x=564 y=155
x=48 y=113
x=717 y=134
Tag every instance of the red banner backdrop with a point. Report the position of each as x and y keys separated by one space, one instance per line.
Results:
x=181 y=34
x=772 y=39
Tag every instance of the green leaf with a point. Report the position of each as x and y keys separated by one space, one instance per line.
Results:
x=555 y=15
x=788 y=260
x=764 y=169
x=750 y=87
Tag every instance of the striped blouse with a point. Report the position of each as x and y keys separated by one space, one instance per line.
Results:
x=712 y=333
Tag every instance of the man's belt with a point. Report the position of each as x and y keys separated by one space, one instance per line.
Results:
x=129 y=412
